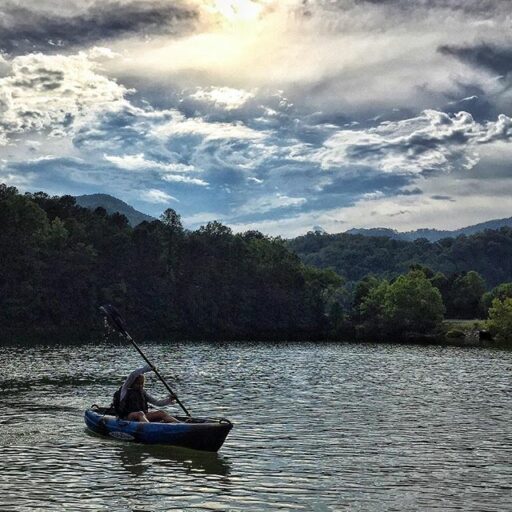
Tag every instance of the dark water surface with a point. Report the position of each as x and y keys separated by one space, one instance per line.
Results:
x=319 y=427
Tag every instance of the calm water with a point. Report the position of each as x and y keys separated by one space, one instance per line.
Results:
x=317 y=427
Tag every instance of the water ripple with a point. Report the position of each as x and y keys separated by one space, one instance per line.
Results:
x=319 y=427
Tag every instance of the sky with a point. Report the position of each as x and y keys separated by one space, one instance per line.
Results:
x=277 y=115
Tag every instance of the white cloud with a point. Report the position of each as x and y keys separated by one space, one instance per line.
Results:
x=432 y=140
x=224 y=97
x=403 y=213
x=56 y=94
x=156 y=196
x=179 y=178
x=270 y=202
x=368 y=56
x=130 y=162
x=14 y=180
x=138 y=162
x=195 y=220
x=210 y=131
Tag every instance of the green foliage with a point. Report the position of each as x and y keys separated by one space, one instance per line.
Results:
x=373 y=321
x=500 y=319
x=409 y=304
x=355 y=256
x=413 y=305
x=172 y=220
x=464 y=297
x=503 y=291
x=60 y=261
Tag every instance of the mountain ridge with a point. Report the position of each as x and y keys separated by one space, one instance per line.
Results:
x=113 y=205
x=432 y=235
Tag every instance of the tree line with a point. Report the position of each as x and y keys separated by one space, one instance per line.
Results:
x=396 y=289
x=355 y=256
x=413 y=305
x=60 y=261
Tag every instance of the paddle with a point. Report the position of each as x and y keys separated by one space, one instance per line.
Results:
x=116 y=320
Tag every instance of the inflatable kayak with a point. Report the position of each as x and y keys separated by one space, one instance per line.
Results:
x=207 y=434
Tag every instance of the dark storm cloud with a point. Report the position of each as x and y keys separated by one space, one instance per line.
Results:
x=442 y=198
x=483 y=7
x=23 y=30
x=410 y=192
x=494 y=58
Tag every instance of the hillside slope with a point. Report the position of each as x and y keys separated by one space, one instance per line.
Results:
x=432 y=235
x=113 y=205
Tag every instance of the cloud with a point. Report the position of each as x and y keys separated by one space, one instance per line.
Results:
x=440 y=197
x=156 y=196
x=409 y=192
x=224 y=97
x=246 y=121
x=369 y=57
x=138 y=162
x=26 y=29
x=56 y=94
x=476 y=204
x=269 y=203
x=432 y=141
x=178 y=178
x=298 y=165
x=182 y=126
x=489 y=56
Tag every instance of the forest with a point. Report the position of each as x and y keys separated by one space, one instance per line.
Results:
x=355 y=256
x=60 y=262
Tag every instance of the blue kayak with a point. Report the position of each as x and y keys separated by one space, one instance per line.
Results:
x=207 y=434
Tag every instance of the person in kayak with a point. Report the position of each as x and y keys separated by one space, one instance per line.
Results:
x=131 y=400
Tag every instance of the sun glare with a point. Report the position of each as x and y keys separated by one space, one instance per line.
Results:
x=237 y=10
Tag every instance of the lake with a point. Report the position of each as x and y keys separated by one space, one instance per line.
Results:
x=320 y=427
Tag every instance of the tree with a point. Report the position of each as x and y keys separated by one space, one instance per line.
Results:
x=503 y=291
x=465 y=296
x=172 y=220
x=371 y=310
x=412 y=304
x=500 y=319
x=215 y=229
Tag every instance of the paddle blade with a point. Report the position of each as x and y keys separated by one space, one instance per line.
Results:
x=114 y=318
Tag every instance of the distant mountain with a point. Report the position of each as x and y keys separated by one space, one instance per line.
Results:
x=432 y=235
x=113 y=205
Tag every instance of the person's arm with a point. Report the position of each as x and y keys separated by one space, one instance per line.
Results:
x=160 y=403
x=131 y=379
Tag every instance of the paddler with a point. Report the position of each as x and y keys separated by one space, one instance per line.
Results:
x=131 y=400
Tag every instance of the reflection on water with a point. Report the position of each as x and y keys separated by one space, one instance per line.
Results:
x=321 y=427
x=137 y=458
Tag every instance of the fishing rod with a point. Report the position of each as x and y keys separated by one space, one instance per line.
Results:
x=115 y=319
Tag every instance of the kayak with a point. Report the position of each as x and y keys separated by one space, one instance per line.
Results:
x=207 y=434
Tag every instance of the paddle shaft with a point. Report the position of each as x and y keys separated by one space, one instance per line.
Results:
x=157 y=373
x=112 y=315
